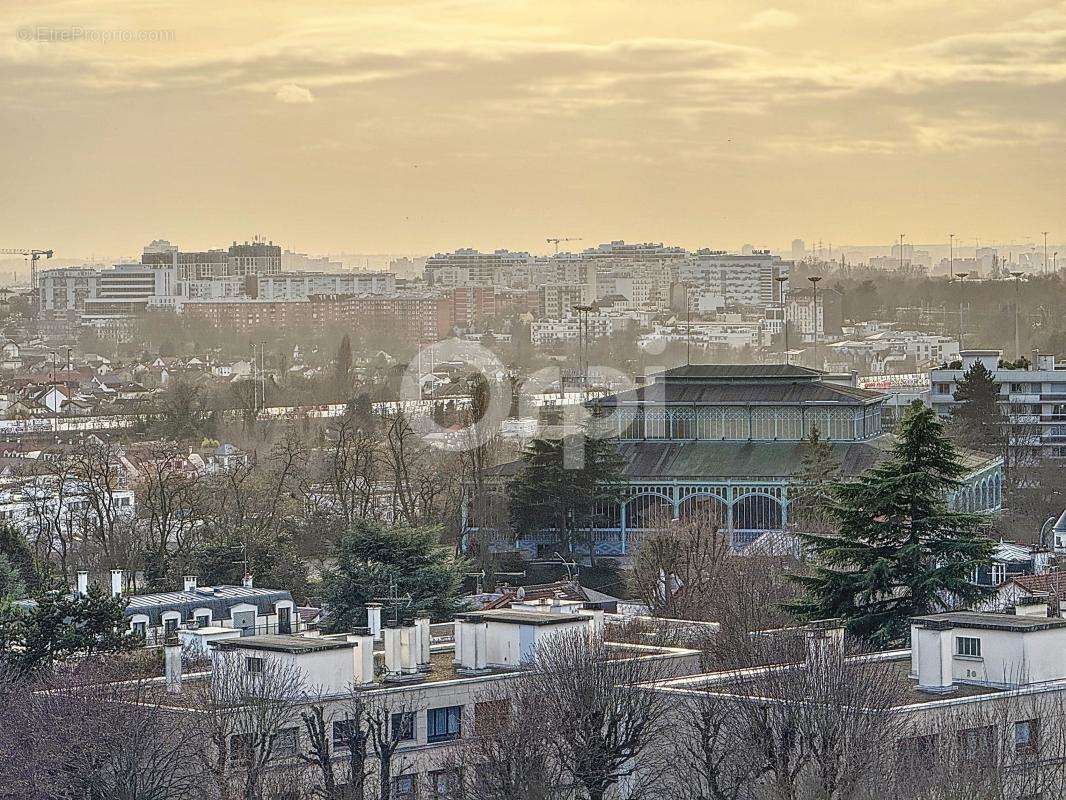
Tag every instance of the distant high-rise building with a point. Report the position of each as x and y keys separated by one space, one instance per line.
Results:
x=799 y=249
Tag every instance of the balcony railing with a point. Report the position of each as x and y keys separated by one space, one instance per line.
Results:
x=156 y=637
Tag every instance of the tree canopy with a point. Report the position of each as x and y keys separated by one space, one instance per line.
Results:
x=550 y=492
x=376 y=562
x=899 y=551
x=977 y=422
x=60 y=625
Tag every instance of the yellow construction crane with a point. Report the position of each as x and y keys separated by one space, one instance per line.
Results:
x=34 y=256
x=557 y=239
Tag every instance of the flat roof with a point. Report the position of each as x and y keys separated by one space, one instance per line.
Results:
x=990 y=622
x=285 y=643
x=526 y=617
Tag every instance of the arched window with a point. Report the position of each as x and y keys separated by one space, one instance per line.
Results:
x=757 y=512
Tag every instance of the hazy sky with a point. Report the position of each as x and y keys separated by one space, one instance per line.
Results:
x=392 y=126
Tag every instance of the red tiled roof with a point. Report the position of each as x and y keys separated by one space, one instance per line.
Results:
x=1043 y=584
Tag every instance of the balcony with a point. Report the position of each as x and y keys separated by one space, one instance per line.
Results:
x=1024 y=398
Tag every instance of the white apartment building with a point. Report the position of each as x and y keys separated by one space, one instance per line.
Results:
x=735 y=334
x=68 y=288
x=557 y=300
x=601 y=325
x=469 y=267
x=1033 y=400
x=41 y=506
x=880 y=351
x=630 y=284
x=741 y=280
x=438 y=683
x=301 y=285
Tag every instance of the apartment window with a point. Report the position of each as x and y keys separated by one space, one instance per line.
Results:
x=443 y=783
x=286 y=742
x=405 y=787
x=444 y=724
x=978 y=744
x=943 y=388
x=253 y=664
x=1026 y=736
x=917 y=748
x=969 y=646
x=344 y=730
x=999 y=574
x=403 y=726
x=202 y=620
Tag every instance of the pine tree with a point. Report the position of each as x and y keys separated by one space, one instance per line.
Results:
x=373 y=560
x=899 y=552
x=547 y=493
x=809 y=509
x=977 y=422
x=342 y=367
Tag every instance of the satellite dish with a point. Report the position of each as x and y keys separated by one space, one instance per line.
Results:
x=521 y=593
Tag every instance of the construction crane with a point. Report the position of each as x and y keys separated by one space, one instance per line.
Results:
x=557 y=239
x=34 y=256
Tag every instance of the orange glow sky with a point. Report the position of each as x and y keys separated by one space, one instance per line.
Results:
x=392 y=126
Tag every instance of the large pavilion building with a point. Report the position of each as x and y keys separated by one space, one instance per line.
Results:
x=729 y=439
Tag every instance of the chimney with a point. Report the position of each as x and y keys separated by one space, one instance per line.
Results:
x=457 y=638
x=422 y=640
x=400 y=662
x=190 y=582
x=247 y=582
x=83 y=584
x=172 y=664
x=824 y=640
x=373 y=620
x=475 y=643
x=931 y=655
x=364 y=656
x=116 y=583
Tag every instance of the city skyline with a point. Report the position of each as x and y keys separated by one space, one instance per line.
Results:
x=428 y=126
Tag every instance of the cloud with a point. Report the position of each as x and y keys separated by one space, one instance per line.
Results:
x=771 y=19
x=292 y=94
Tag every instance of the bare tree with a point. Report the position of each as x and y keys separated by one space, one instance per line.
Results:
x=169 y=501
x=819 y=728
x=680 y=563
x=250 y=717
x=505 y=757
x=603 y=726
x=89 y=734
x=348 y=467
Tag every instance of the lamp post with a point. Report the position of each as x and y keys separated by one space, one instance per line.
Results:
x=814 y=284
x=1045 y=251
x=962 y=281
x=1017 y=323
x=583 y=339
x=781 y=280
x=951 y=256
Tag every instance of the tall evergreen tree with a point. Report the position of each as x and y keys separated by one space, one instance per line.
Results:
x=342 y=367
x=899 y=551
x=810 y=508
x=547 y=493
x=977 y=422
x=374 y=561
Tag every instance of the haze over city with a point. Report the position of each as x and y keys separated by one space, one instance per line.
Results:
x=424 y=126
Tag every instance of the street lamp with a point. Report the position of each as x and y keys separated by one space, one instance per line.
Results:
x=781 y=280
x=962 y=281
x=1017 y=324
x=583 y=339
x=814 y=284
x=951 y=256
